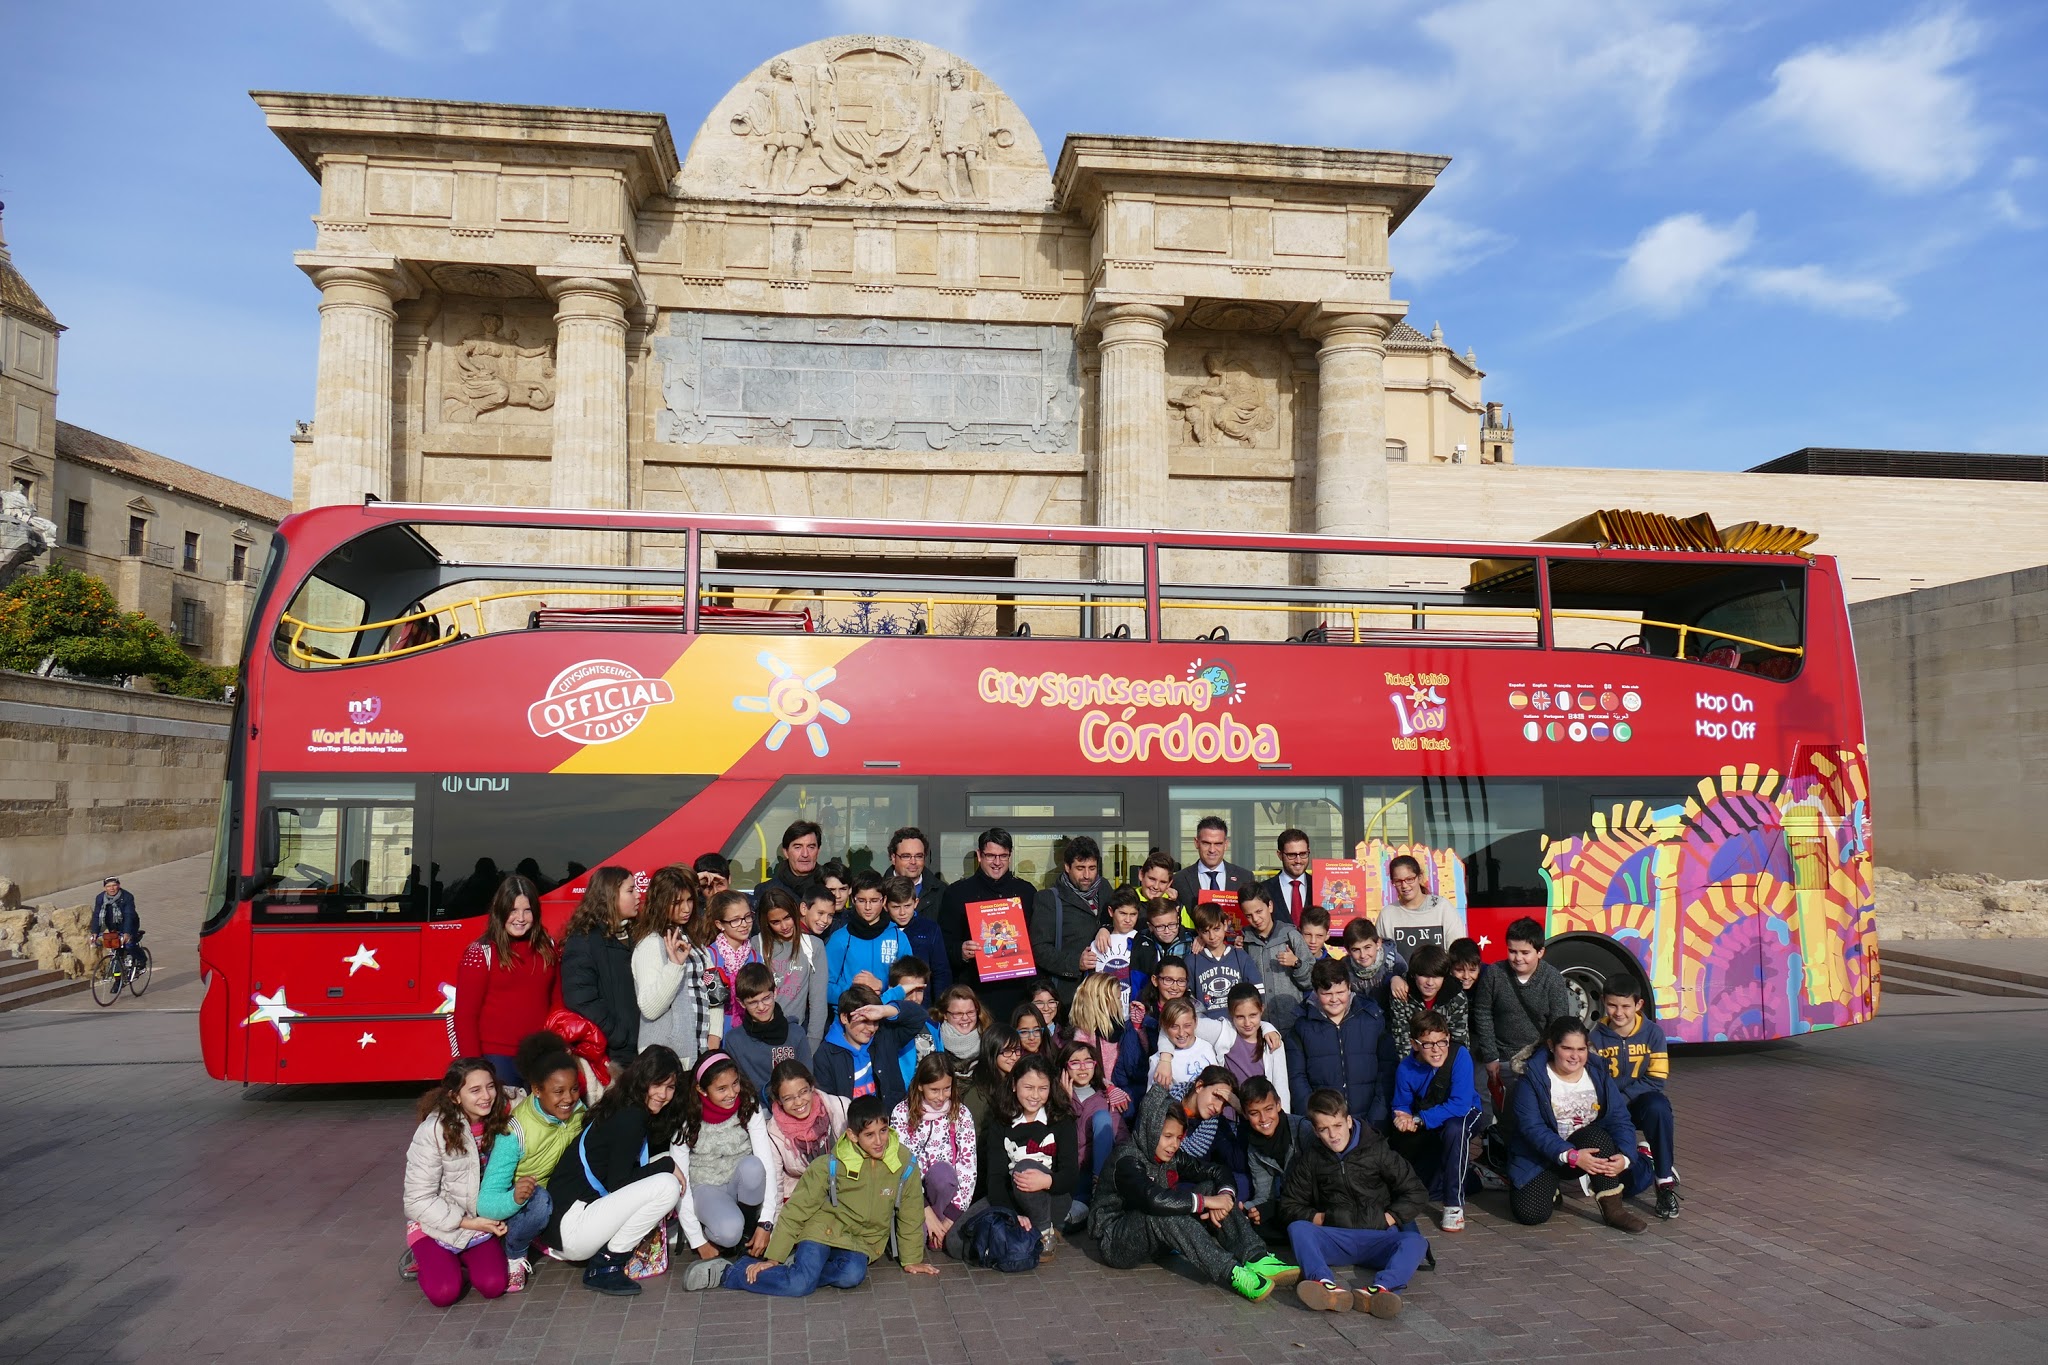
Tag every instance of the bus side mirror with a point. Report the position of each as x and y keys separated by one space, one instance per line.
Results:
x=270 y=842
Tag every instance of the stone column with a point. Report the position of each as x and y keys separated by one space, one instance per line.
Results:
x=352 y=397
x=589 y=468
x=1351 y=437
x=1130 y=442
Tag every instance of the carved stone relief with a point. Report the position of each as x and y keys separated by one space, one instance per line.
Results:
x=484 y=281
x=489 y=366
x=867 y=384
x=1230 y=399
x=1238 y=315
x=872 y=119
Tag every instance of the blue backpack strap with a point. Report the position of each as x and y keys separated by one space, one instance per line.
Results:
x=584 y=1157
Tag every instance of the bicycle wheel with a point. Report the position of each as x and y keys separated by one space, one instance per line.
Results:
x=106 y=985
x=138 y=973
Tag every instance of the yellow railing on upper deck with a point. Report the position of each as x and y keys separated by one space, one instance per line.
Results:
x=1684 y=631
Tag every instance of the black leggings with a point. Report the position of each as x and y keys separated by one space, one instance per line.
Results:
x=1533 y=1203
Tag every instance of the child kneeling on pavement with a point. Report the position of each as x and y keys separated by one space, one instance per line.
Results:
x=1155 y=1199
x=1349 y=1199
x=857 y=1203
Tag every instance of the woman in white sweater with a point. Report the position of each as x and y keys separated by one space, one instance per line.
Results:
x=728 y=1165
x=452 y=1246
x=681 y=998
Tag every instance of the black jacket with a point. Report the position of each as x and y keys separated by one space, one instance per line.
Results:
x=1000 y=996
x=994 y=1160
x=612 y=1150
x=1064 y=922
x=799 y=887
x=1134 y=1183
x=597 y=983
x=1356 y=1188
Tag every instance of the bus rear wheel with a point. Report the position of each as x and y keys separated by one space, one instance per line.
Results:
x=1587 y=966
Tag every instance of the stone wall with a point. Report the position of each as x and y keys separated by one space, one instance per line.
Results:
x=1955 y=695
x=98 y=780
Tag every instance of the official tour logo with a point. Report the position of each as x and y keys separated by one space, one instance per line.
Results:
x=596 y=702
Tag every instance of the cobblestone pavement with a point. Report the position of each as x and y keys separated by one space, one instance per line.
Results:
x=1869 y=1195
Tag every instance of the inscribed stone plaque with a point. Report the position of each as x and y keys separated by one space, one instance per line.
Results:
x=866 y=384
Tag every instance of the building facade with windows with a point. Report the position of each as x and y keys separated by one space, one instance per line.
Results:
x=179 y=544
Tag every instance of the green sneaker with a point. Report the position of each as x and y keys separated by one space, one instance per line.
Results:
x=1277 y=1272
x=1250 y=1284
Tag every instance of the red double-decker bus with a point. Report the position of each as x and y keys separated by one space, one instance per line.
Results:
x=1655 y=751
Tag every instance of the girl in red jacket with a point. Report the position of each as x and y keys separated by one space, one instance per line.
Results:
x=509 y=981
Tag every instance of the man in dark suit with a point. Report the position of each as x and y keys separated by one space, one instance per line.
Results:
x=910 y=859
x=1212 y=869
x=1293 y=889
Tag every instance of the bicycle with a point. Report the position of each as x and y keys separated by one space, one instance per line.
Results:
x=108 y=978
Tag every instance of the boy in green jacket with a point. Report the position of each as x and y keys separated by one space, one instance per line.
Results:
x=858 y=1202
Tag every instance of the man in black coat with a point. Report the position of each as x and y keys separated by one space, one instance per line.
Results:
x=1349 y=1199
x=1212 y=869
x=992 y=881
x=910 y=859
x=1066 y=917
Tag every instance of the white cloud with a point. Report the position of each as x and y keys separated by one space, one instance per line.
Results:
x=1677 y=262
x=1889 y=106
x=419 y=30
x=1534 y=73
x=1823 y=291
x=1432 y=245
x=2005 y=200
x=941 y=22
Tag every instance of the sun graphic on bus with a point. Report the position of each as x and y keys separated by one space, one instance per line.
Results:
x=794 y=702
x=1217 y=674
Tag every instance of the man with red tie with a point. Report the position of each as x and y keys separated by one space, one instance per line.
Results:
x=1293 y=889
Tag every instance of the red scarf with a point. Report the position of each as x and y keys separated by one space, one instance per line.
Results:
x=716 y=1113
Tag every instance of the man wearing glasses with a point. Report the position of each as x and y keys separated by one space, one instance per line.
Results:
x=992 y=880
x=1418 y=915
x=910 y=859
x=1436 y=1111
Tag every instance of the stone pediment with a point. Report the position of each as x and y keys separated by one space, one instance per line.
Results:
x=874 y=120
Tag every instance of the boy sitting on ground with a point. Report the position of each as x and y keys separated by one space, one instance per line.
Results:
x=1345 y=1201
x=1640 y=1061
x=1436 y=1112
x=858 y=1202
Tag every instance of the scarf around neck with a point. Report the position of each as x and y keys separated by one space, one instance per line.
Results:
x=960 y=1046
x=774 y=1033
x=717 y=1113
x=807 y=1136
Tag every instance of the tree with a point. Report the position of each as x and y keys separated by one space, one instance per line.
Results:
x=73 y=620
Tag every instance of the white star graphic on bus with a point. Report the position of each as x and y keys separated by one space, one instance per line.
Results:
x=794 y=701
x=272 y=1010
x=447 y=1005
x=364 y=956
x=366 y=1040
x=1484 y=941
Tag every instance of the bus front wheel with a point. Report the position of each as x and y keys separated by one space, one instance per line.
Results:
x=1588 y=965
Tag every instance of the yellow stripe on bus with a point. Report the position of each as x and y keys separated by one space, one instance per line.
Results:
x=731 y=691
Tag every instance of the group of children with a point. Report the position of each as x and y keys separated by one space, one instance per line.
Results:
x=1248 y=1100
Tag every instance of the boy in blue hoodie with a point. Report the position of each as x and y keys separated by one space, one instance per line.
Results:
x=927 y=944
x=1436 y=1111
x=862 y=950
x=910 y=979
x=863 y=1050
x=1217 y=967
x=1640 y=1061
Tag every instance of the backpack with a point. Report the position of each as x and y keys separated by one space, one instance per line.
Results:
x=995 y=1239
x=895 y=1203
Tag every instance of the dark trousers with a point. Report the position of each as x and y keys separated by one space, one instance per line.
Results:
x=1101 y=1138
x=1534 y=1202
x=1441 y=1156
x=810 y=1266
x=1129 y=1240
x=1651 y=1112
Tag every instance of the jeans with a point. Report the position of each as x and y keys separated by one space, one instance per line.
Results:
x=1393 y=1253
x=522 y=1227
x=1651 y=1112
x=812 y=1264
x=444 y=1274
x=1101 y=1139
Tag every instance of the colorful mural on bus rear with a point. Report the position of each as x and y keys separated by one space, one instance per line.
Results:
x=1748 y=906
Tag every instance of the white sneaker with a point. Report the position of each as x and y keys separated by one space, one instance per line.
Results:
x=1453 y=1219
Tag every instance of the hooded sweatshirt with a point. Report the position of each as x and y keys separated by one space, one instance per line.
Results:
x=850 y=1201
x=1283 y=987
x=799 y=971
x=1137 y=1185
x=857 y=947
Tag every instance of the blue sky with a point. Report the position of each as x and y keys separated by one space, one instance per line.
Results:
x=1677 y=234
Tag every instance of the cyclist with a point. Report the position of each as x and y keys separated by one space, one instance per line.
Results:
x=113 y=912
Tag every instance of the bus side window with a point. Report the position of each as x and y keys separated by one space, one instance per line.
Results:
x=341 y=850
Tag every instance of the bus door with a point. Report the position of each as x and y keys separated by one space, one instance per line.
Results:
x=335 y=955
